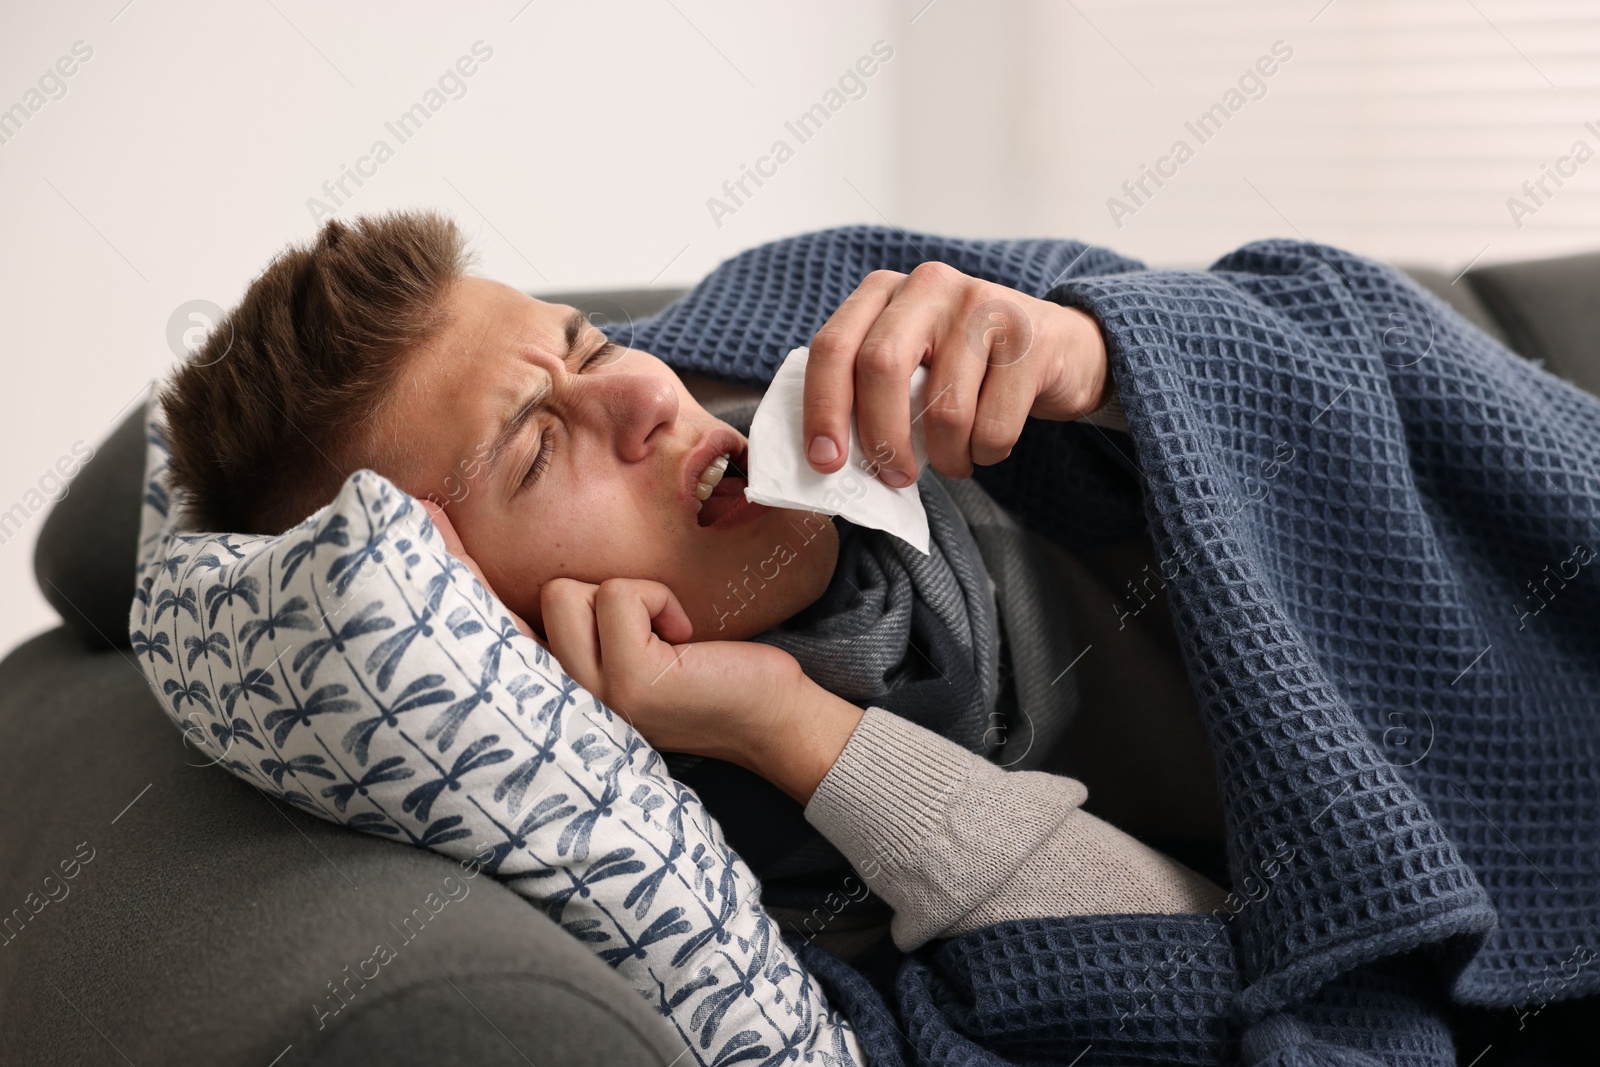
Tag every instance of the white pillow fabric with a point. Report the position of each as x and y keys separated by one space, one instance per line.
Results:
x=354 y=668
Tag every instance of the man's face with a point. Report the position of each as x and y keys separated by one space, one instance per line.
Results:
x=599 y=479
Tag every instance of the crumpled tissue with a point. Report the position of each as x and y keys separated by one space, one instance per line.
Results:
x=780 y=476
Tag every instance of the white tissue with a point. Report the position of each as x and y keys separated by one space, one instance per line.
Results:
x=780 y=476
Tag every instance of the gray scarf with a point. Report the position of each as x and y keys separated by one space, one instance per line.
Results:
x=910 y=633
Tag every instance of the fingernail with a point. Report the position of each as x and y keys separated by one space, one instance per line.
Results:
x=822 y=449
x=898 y=479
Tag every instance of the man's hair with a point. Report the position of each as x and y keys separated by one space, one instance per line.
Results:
x=269 y=417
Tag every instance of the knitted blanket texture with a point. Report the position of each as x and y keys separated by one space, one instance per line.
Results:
x=1377 y=529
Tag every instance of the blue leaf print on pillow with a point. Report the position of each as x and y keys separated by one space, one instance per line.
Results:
x=151 y=645
x=212 y=644
x=292 y=616
x=336 y=532
x=471 y=758
x=257 y=683
x=309 y=764
x=245 y=589
x=392 y=769
x=194 y=693
x=419 y=693
x=366 y=621
x=176 y=602
x=325 y=701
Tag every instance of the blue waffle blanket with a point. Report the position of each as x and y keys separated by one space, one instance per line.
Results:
x=1378 y=530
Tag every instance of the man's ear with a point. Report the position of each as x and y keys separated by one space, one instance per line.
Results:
x=452 y=541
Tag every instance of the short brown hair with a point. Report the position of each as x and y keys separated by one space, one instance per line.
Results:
x=268 y=418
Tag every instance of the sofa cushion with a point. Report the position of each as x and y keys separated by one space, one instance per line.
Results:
x=353 y=667
x=152 y=905
x=84 y=559
x=1550 y=312
x=1459 y=295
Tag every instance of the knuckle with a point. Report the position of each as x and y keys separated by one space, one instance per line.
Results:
x=876 y=355
x=944 y=426
x=934 y=271
x=829 y=341
x=947 y=414
x=884 y=277
x=992 y=436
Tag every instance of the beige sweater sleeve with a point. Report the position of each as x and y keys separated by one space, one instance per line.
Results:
x=1110 y=414
x=953 y=842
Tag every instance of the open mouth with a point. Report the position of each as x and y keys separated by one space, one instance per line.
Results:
x=726 y=481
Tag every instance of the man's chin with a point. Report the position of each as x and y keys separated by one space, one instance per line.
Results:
x=787 y=565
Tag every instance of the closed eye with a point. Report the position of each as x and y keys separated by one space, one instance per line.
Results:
x=602 y=354
x=541 y=461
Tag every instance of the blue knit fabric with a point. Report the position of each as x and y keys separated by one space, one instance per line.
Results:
x=1378 y=529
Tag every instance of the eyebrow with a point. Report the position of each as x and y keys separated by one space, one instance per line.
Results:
x=530 y=404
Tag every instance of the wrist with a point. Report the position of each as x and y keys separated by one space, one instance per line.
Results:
x=1078 y=381
x=803 y=740
x=1100 y=387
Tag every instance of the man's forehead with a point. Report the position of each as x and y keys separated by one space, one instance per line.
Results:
x=492 y=315
x=480 y=372
x=486 y=344
x=506 y=322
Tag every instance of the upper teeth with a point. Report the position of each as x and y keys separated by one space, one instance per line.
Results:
x=709 y=480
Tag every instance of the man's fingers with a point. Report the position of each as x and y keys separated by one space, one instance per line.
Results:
x=568 y=608
x=949 y=405
x=1080 y=376
x=629 y=610
x=670 y=621
x=891 y=350
x=830 y=370
x=1002 y=411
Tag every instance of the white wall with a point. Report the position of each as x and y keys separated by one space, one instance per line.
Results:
x=582 y=154
x=1399 y=130
x=186 y=147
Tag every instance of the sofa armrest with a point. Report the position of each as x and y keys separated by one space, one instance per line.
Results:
x=212 y=924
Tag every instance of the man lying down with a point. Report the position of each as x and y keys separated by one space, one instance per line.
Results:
x=605 y=508
x=1335 y=484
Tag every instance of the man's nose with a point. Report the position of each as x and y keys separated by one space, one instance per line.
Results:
x=642 y=408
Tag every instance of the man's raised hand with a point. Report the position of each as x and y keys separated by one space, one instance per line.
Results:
x=995 y=357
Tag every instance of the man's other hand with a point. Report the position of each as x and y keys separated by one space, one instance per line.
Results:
x=627 y=641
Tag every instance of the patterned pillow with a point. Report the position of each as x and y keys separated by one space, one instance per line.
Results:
x=354 y=668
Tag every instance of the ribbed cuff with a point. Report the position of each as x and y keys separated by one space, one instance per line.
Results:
x=932 y=828
x=1110 y=414
x=889 y=787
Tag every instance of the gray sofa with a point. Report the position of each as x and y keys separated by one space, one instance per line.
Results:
x=153 y=909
